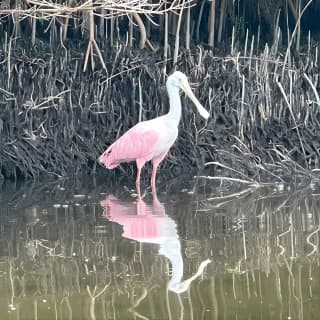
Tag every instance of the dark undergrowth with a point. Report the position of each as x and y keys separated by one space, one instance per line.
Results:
x=264 y=124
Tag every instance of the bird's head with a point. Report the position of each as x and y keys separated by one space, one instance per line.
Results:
x=176 y=79
x=180 y=80
x=107 y=159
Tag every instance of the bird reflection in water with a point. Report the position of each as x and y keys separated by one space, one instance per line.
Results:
x=148 y=223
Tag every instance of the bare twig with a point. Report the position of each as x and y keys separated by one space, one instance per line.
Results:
x=92 y=44
x=143 y=33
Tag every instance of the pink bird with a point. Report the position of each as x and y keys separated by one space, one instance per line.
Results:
x=151 y=140
x=147 y=223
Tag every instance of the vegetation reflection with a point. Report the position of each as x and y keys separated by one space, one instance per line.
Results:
x=69 y=255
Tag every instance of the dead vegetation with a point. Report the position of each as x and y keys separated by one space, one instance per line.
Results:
x=56 y=246
x=263 y=97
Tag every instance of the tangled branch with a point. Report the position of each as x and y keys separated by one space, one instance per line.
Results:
x=43 y=8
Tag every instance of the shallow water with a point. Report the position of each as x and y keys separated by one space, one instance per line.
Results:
x=82 y=250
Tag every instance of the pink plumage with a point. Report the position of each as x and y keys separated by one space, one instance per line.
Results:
x=142 y=222
x=147 y=140
x=134 y=144
x=152 y=139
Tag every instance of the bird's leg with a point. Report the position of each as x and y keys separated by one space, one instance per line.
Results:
x=138 y=183
x=155 y=163
x=153 y=178
x=140 y=164
x=157 y=207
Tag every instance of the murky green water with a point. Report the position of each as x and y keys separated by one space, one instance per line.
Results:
x=74 y=250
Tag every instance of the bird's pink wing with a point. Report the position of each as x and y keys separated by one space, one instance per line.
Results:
x=137 y=143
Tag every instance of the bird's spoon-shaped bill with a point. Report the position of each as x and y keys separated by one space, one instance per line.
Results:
x=184 y=85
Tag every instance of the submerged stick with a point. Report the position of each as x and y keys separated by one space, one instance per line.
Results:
x=253 y=183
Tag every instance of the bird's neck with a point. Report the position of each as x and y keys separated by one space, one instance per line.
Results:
x=175 y=105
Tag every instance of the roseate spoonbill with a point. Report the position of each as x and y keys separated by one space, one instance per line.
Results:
x=148 y=223
x=152 y=139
